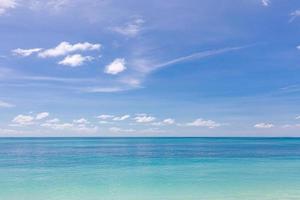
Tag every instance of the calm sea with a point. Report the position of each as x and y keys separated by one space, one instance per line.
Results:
x=149 y=169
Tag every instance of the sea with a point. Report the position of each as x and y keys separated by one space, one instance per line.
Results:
x=149 y=168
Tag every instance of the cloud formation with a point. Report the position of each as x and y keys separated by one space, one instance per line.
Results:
x=7 y=4
x=65 y=48
x=144 y=118
x=294 y=15
x=25 y=52
x=4 y=104
x=42 y=115
x=121 y=118
x=265 y=2
x=75 y=60
x=264 y=125
x=23 y=120
x=116 y=67
x=204 y=123
x=130 y=29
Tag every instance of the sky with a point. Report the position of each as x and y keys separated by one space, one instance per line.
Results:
x=149 y=68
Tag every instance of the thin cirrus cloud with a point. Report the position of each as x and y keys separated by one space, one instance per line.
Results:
x=4 y=104
x=121 y=118
x=263 y=125
x=294 y=15
x=116 y=67
x=6 y=5
x=265 y=2
x=75 y=60
x=25 y=52
x=130 y=29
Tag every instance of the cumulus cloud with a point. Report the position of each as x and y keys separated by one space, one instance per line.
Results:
x=75 y=60
x=265 y=2
x=130 y=29
x=23 y=120
x=116 y=67
x=7 y=4
x=264 y=125
x=4 y=104
x=168 y=121
x=81 y=121
x=42 y=115
x=65 y=48
x=144 y=118
x=121 y=118
x=204 y=123
x=25 y=52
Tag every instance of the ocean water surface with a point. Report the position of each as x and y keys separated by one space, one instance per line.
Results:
x=149 y=169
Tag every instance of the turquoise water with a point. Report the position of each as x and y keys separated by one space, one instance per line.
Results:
x=149 y=169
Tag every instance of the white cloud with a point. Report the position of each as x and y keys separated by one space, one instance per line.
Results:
x=117 y=66
x=81 y=121
x=298 y=117
x=104 y=89
x=204 y=123
x=263 y=125
x=130 y=29
x=75 y=60
x=55 y=120
x=294 y=15
x=265 y=2
x=23 y=120
x=7 y=4
x=144 y=118
x=4 y=104
x=104 y=117
x=64 y=48
x=121 y=118
x=58 y=126
x=25 y=52
x=120 y=130
x=169 y=121
x=42 y=115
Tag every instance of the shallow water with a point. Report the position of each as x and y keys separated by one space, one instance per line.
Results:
x=149 y=168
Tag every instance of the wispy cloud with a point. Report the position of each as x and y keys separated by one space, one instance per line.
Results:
x=25 y=52
x=7 y=4
x=294 y=15
x=130 y=29
x=265 y=2
x=4 y=104
x=198 y=55
x=264 y=125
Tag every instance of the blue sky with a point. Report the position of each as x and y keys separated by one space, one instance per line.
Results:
x=149 y=68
